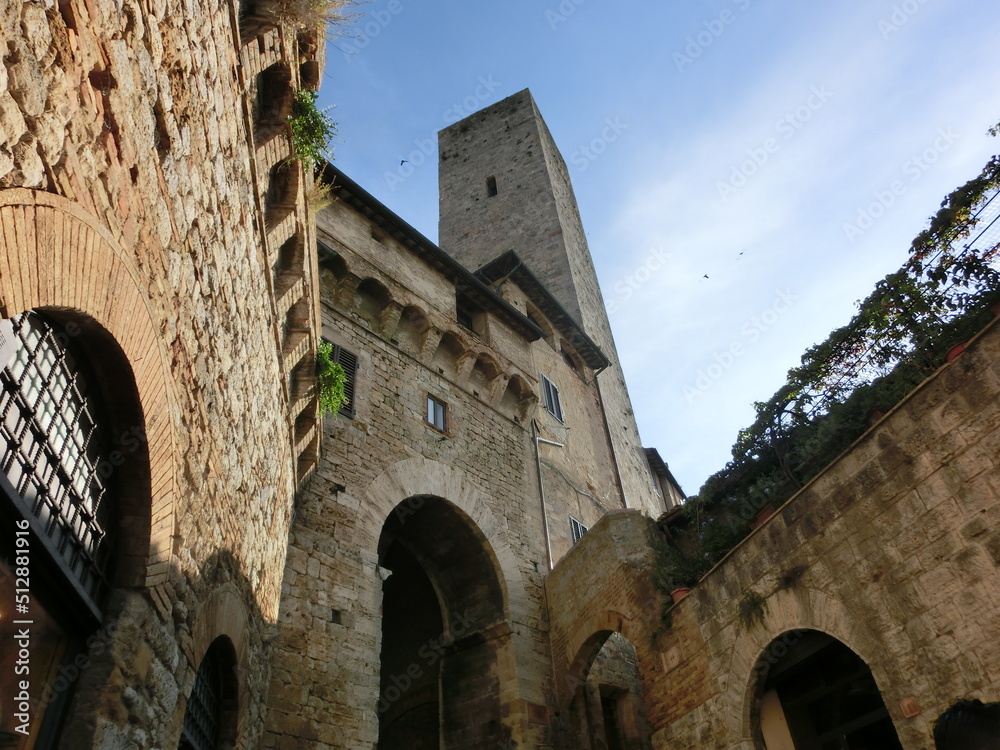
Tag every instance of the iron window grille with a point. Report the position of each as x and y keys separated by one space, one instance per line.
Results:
x=54 y=465
x=577 y=529
x=437 y=413
x=204 y=707
x=550 y=398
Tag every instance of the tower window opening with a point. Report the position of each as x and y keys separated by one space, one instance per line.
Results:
x=491 y=186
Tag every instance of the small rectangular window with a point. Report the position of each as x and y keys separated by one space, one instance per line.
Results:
x=577 y=529
x=349 y=362
x=491 y=186
x=550 y=398
x=437 y=413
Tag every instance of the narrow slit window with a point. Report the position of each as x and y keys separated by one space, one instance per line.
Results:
x=550 y=398
x=491 y=186
x=437 y=413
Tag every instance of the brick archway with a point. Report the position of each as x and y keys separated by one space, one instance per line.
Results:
x=55 y=255
x=787 y=611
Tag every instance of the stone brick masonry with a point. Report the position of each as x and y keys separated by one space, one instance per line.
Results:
x=892 y=550
x=137 y=192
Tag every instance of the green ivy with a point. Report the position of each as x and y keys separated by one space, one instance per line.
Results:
x=330 y=379
x=312 y=128
x=898 y=337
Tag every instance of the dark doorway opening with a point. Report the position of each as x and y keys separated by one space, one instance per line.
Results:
x=820 y=695
x=442 y=616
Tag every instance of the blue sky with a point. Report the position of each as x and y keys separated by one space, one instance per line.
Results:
x=789 y=151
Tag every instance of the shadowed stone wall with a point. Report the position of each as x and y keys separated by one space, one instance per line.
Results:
x=137 y=199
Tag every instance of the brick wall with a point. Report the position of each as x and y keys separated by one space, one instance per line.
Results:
x=892 y=550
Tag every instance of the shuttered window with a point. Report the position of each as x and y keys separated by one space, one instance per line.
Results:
x=349 y=362
x=577 y=529
x=550 y=398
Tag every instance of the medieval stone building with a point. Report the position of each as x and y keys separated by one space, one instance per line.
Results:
x=461 y=557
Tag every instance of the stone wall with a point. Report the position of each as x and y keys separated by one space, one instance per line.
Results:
x=534 y=212
x=137 y=192
x=394 y=312
x=892 y=550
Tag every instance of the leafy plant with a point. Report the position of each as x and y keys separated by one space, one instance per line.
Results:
x=899 y=336
x=330 y=380
x=752 y=608
x=311 y=127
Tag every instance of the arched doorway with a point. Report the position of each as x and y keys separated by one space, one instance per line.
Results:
x=607 y=710
x=817 y=694
x=442 y=621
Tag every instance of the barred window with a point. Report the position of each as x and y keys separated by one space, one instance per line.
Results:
x=54 y=465
x=205 y=705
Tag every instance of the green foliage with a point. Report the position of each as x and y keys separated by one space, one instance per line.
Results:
x=312 y=128
x=752 y=608
x=330 y=380
x=898 y=337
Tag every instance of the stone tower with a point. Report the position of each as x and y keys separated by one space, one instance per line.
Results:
x=505 y=186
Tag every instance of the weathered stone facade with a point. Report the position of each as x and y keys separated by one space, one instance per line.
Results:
x=891 y=552
x=421 y=582
x=460 y=497
x=148 y=213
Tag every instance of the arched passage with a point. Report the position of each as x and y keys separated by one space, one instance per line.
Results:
x=442 y=613
x=606 y=710
x=815 y=693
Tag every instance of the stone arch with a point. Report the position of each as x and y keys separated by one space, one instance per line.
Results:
x=412 y=328
x=787 y=611
x=419 y=477
x=223 y=614
x=451 y=352
x=60 y=258
x=433 y=529
x=370 y=299
x=518 y=397
x=591 y=707
x=586 y=640
x=485 y=371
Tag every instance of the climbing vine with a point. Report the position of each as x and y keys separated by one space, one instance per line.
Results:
x=899 y=336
